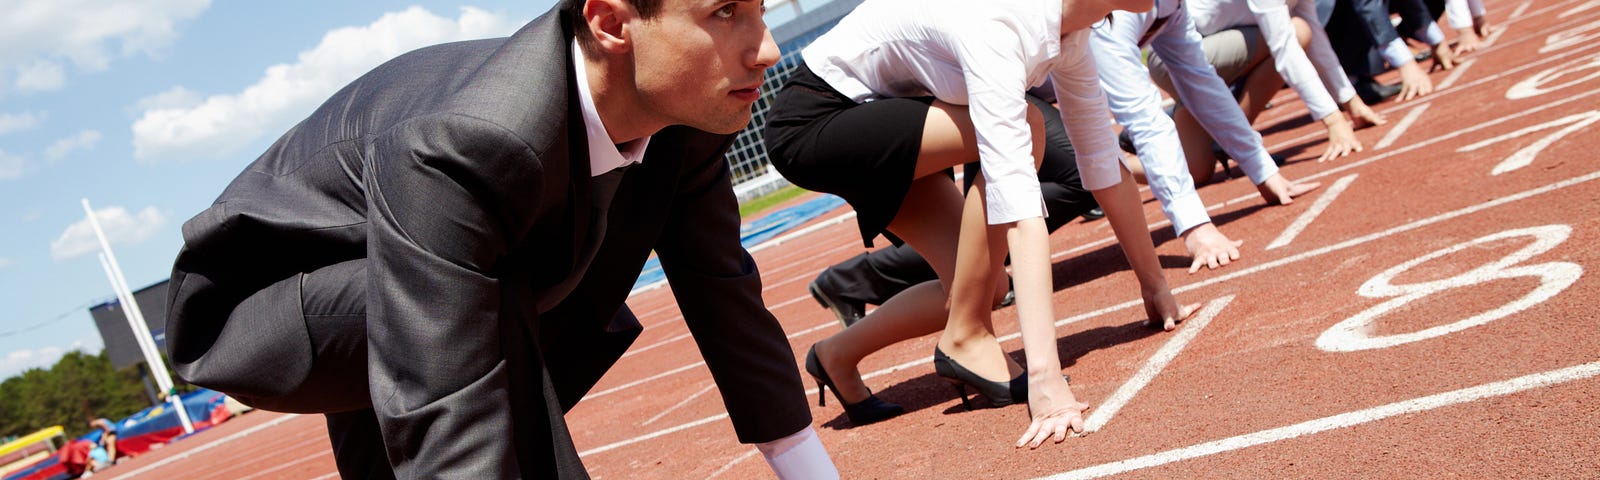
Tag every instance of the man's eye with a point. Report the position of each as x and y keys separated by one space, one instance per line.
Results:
x=726 y=11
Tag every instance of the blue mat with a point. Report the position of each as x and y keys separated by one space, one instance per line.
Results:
x=761 y=230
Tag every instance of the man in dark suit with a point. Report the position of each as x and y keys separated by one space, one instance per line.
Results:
x=437 y=258
x=1368 y=44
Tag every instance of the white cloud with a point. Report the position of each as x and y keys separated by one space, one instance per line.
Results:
x=84 y=140
x=21 y=360
x=87 y=33
x=11 y=166
x=41 y=76
x=175 y=98
x=119 y=227
x=288 y=92
x=11 y=122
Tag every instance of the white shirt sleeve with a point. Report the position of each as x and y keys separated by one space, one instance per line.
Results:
x=994 y=68
x=1209 y=98
x=1272 y=17
x=1460 y=12
x=1084 y=112
x=1324 y=59
x=1137 y=106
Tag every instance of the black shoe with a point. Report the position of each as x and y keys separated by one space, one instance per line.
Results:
x=1011 y=294
x=1095 y=213
x=1125 y=140
x=847 y=311
x=1373 y=92
x=871 y=410
x=1000 y=394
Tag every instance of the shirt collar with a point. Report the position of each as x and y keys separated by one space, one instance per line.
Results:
x=604 y=156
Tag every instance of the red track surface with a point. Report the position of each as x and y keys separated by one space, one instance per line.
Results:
x=1243 y=390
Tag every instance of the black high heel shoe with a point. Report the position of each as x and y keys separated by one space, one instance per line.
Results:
x=871 y=410
x=999 y=394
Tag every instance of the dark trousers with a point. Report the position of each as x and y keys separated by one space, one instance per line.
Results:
x=1360 y=29
x=875 y=276
x=329 y=306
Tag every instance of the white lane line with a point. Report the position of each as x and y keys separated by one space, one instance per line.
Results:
x=1579 y=8
x=1454 y=397
x=1461 y=69
x=646 y=348
x=731 y=464
x=218 y=442
x=1518 y=12
x=653 y=435
x=641 y=381
x=1311 y=214
x=335 y=474
x=680 y=404
x=1154 y=365
x=319 y=454
x=1400 y=127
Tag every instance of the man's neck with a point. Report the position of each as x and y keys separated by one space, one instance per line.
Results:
x=616 y=101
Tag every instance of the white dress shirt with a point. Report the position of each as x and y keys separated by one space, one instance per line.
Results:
x=982 y=54
x=1292 y=62
x=1461 y=12
x=1136 y=104
x=604 y=156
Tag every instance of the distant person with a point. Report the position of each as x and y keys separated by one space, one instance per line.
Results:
x=1368 y=44
x=108 y=435
x=1258 y=46
x=437 y=258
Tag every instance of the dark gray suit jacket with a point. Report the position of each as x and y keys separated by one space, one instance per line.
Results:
x=458 y=175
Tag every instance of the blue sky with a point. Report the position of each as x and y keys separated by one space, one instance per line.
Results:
x=148 y=108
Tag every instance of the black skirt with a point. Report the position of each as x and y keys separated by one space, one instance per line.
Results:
x=865 y=153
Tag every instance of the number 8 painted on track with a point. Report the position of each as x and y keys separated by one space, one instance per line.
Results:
x=1352 y=334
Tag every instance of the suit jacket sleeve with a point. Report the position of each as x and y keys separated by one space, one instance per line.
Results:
x=719 y=292
x=441 y=213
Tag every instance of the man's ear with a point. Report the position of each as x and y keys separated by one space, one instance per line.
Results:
x=608 y=21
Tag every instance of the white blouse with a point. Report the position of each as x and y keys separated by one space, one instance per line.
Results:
x=1292 y=62
x=985 y=55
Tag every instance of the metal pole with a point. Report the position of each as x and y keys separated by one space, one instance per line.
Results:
x=141 y=329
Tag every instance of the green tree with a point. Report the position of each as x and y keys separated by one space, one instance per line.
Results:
x=78 y=388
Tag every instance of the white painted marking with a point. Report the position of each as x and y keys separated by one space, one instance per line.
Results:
x=731 y=464
x=1535 y=85
x=653 y=435
x=641 y=381
x=1526 y=155
x=1454 y=397
x=1581 y=7
x=1461 y=69
x=1355 y=333
x=1518 y=12
x=319 y=454
x=1400 y=127
x=680 y=404
x=218 y=442
x=335 y=474
x=646 y=348
x=1152 y=367
x=1570 y=37
x=1311 y=214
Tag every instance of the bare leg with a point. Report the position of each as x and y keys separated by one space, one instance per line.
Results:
x=930 y=221
x=1196 y=142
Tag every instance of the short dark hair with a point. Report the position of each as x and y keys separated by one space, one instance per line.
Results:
x=573 y=9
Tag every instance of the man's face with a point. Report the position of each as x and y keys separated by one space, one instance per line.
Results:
x=700 y=62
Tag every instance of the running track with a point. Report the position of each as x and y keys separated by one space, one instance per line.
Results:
x=1420 y=315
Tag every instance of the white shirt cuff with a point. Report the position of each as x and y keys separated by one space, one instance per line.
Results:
x=799 y=456
x=1397 y=53
x=1186 y=212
